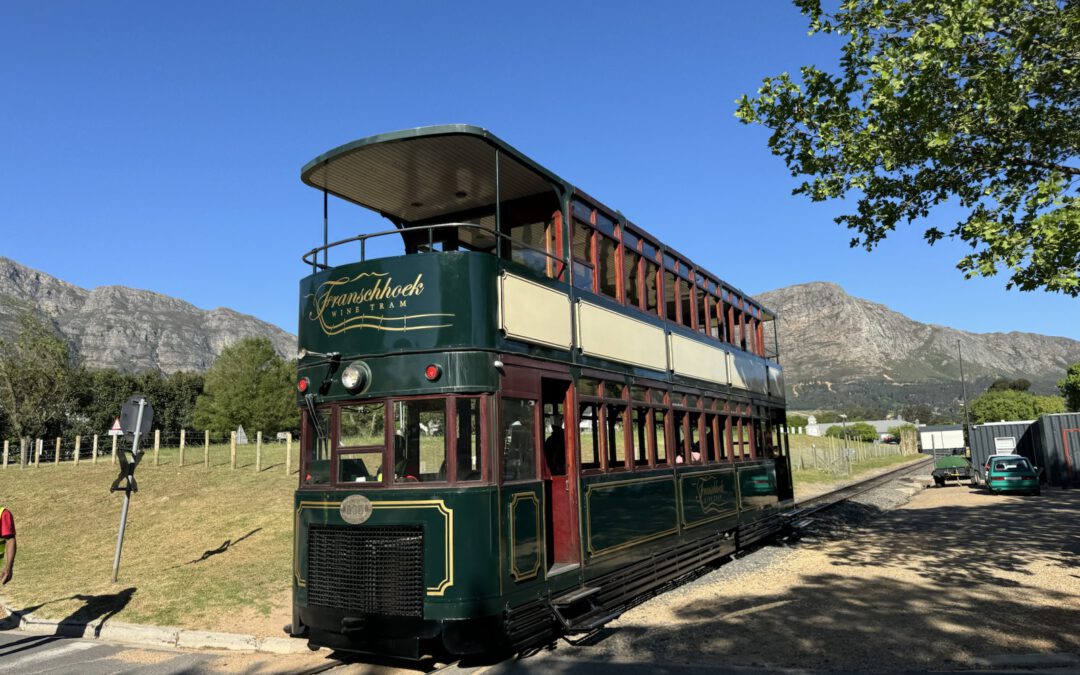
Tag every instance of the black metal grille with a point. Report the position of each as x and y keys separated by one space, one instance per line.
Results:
x=367 y=570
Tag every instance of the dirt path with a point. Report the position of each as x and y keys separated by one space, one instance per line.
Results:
x=952 y=574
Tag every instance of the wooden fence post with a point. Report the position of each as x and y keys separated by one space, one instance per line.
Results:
x=206 y=448
x=37 y=451
x=93 y=459
x=182 y=434
x=24 y=452
x=232 y=450
x=78 y=448
x=288 y=452
x=6 y=443
x=258 y=451
x=114 y=449
x=157 y=445
x=56 y=459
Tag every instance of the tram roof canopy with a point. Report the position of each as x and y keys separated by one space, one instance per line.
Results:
x=418 y=174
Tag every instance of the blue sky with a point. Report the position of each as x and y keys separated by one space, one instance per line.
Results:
x=158 y=146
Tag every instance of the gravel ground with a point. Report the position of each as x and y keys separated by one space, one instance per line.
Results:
x=889 y=582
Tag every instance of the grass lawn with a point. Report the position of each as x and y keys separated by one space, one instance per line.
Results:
x=819 y=476
x=204 y=548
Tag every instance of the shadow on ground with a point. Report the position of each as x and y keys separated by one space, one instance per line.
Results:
x=959 y=581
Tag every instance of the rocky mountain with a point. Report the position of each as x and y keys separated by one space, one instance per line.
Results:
x=838 y=349
x=129 y=329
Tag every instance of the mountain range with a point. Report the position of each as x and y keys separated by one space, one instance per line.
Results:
x=836 y=349
x=128 y=329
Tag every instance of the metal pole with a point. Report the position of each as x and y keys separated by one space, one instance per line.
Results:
x=963 y=389
x=325 y=215
x=127 y=494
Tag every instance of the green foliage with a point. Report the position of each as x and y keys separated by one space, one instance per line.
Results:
x=36 y=379
x=249 y=384
x=1005 y=384
x=796 y=422
x=101 y=394
x=971 y=103
x=857 y=431
x=827 y=417
x=1070 y=387
x=1010 y=405
x=898 y=430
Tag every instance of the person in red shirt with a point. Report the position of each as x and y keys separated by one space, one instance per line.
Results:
x=7 y=534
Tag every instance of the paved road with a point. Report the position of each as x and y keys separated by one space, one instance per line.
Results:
x=27 y=654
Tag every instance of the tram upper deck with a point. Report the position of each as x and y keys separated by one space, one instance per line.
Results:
x=497 y=254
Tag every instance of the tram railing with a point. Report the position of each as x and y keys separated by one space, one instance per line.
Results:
x=413 y=237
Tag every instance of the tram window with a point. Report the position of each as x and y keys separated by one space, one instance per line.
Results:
x=606 y=271
x=632 y=276
x=582 y=211
x=639 y=394
x=528 y=243
x=518 y=439
x=318 y=449
x=711 y=454
x=419 y=440
x=589 y=431
x=670 y=297
x=639 y=435
x=588 y=387
x=651 y=292
x=695 y=438
x=467 y=443
x=711 y=309
x=701 y=306
x=616 y=439
x=686 y=296
x=678 y=435
x=659 y=436
x=583 y=256
x=554 y=439
x=361 y=426
x=725 y=432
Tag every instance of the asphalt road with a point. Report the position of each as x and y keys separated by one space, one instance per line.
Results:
x=27 y=654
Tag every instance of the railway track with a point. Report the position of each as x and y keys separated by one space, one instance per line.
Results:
x=808 y=507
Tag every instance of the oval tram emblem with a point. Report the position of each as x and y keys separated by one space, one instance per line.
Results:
x=355 y=509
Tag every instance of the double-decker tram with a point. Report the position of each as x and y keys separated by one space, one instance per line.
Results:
x=528 y=414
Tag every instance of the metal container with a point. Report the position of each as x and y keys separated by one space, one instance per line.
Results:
x=1002 y=438
x=1058 y=447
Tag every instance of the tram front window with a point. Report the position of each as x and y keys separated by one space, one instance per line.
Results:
x=419 y=441
x=361 y=427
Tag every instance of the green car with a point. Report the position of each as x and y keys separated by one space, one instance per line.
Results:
x=1013 y=474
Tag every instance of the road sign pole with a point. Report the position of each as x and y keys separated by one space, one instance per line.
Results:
x=127 y=493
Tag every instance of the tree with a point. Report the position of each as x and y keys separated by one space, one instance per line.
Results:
x=248 y=384
x=972 y=103
x=1070 y=387
x=1009 y=404
x=858 y=431
x=36 y=379
x=899 y=430
x=1005 y=384
x=796 y=421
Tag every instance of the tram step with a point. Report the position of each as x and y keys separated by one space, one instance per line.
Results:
x=577 y=594
x=591 y=621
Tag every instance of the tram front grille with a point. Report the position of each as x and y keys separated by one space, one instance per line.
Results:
x=367 y=570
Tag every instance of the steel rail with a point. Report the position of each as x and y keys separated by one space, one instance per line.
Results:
x=812 y=505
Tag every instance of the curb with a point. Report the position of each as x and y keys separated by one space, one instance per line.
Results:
x=152 y=636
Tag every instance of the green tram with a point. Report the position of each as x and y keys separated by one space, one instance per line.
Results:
x=521 y=410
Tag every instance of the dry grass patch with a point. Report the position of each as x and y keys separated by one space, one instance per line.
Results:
x=203 y=547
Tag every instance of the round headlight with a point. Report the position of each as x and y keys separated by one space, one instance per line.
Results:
x=354 y=376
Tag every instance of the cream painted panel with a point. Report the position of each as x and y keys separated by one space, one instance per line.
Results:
x=694 y=359
x=737 y=380
x=610 y=335
x=534 y=313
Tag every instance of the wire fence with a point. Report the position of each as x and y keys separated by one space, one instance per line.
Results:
x=212 y=450
x=837 y=455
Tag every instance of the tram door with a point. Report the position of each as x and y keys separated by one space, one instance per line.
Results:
x=558 y=470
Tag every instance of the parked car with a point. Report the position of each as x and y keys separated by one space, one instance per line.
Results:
x=1012 y=474
x=991 y=459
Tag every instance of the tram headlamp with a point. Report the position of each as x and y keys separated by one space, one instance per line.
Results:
x=355 y=376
